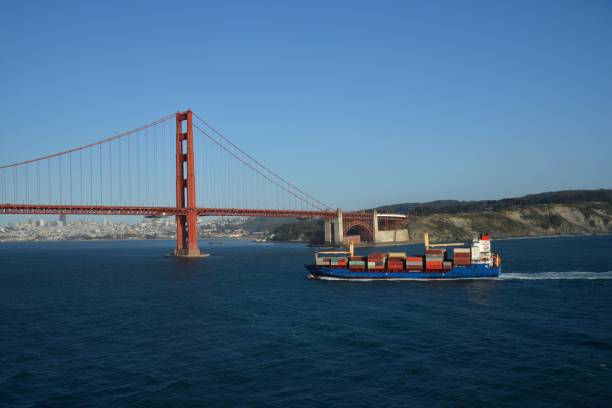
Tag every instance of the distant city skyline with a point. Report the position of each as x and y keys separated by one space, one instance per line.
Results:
x=360 y=105
x=41 y=229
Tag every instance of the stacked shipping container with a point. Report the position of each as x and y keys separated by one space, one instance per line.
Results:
x=357 y=263
x=414 y=263
x=332 y=261
x=462 y=256
x=395 y=261
x=434 y=259
x=376 y=261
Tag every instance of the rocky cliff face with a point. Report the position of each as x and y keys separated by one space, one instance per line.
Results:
x=535 y=220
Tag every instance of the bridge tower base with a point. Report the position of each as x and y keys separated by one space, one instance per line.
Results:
x=327 y=231
x=375 y=226
x=338 y=229
x=186 y=224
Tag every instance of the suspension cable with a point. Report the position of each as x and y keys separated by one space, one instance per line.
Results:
x=254 y=169
x=257 y=162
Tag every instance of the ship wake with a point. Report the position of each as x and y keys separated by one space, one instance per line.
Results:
x=573 y=275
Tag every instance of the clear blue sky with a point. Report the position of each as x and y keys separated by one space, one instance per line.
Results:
x=359 y=104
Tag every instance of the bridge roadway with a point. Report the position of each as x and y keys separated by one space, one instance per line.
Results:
x=170 y=211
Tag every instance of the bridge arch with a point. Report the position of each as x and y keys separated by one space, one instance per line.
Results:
x=364 y=229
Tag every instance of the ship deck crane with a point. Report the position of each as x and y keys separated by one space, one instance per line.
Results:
x=428 y=245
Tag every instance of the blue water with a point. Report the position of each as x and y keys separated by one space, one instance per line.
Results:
x=118 y=324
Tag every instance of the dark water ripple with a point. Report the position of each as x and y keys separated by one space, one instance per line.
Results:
x=117 y=324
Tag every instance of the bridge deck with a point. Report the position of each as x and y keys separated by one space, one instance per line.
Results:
x=168 y=211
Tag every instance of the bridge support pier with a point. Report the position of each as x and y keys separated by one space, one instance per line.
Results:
x=374 y=226
x=186 y=224
x=327 y=231
x=338 y=229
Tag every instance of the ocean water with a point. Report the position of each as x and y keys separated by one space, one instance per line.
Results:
x=118 y=324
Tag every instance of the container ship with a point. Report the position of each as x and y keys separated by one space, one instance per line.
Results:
x=467 y=262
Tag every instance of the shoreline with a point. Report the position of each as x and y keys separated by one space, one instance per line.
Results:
x=122 y=240
x=294 y=242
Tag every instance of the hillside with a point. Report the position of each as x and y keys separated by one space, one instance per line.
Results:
x=552 y=213
x=530 y=220
x=455 y=206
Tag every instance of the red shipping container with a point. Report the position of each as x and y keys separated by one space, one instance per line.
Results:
x=462 y=258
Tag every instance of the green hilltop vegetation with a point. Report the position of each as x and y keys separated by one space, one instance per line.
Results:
x=456 y=207
x=288 y=229
x=551 y=213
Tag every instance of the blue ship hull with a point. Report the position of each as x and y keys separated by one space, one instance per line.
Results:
x=458 y=272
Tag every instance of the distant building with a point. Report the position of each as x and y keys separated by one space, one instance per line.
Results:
x=63 y=219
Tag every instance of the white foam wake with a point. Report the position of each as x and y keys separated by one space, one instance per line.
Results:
x=556 y=275
x=575 y=275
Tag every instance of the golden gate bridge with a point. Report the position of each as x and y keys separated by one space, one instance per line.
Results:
x=178 y=165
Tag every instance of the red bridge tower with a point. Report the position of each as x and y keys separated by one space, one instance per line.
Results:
x=186 y=224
